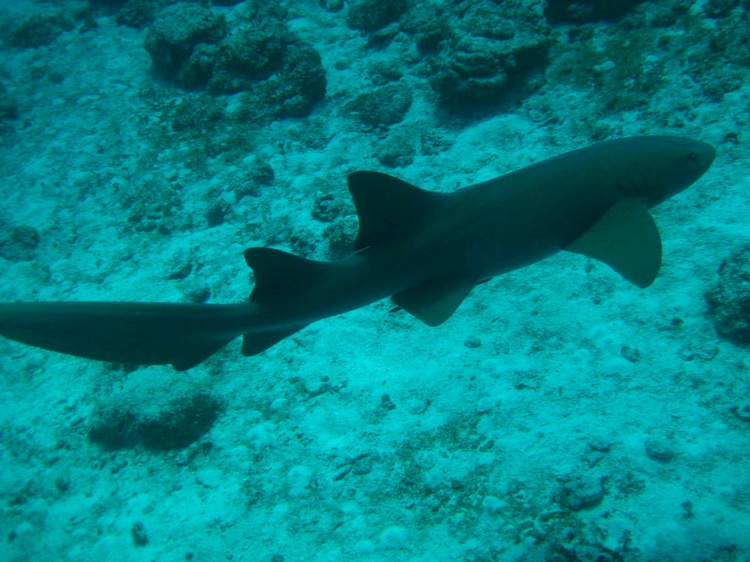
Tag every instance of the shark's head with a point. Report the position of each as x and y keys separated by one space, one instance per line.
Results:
x=664 y=166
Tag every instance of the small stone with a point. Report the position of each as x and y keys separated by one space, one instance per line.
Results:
x=472 y=342
x=493 y=505
x=262 y=172
x=701 y=352
x=393 y=538
x=386 y=402
x=181 y=264
x=196 y=293
x=140 y=538
x=62 y=483
x=742 y=413
x=279 y=404
x=217 y=213
x=299 y=479
x=382 y=106
x=630 y=353
x=687 y=509
x=210 y=478
x=363 y=466
x=417 y=406
x=316 y=388
x=397 y=150
x=485 y=404
x=601 y=445
x=593 y=458
x=261 y=436
x=583 y=493
x=342 y=473
x=660 y=449
x=605 y=67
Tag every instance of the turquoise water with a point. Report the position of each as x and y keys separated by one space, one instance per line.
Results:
x=560 y=414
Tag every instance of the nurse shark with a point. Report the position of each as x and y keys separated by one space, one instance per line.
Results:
x=425 y=250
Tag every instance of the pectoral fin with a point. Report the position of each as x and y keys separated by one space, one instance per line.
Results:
x=434 y=301
x=627 y=240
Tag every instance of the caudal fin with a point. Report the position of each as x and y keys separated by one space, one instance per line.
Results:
x=182 y=335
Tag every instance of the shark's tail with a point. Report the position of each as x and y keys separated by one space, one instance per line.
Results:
x=149 y=333
x=182 y=335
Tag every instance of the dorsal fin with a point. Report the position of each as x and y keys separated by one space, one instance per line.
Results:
x=626 y=239
x=280 y=273
x=388 y=208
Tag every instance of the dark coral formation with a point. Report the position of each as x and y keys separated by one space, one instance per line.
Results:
x=372 y=15
x=398 y=149
x=180 y=426
x=331 y=5
x=382 y=106
x=490 y=49
x=176 y=33
x=194 y=47
x=300 y=84
x=140 y=13
x=479 y=51
x=628 y=67
x=40 y=29
x=581 y=11
x=720 y=8
x=729 y=299
x=429 y=24
x=175 y=424
x=476 y=52
x=8 y=106
x=328 y=207
x=729 y=43
x=341 y=236
x=19 y=243
x=196 y=113
x=252 y=53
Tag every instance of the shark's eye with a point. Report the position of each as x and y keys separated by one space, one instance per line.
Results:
x=693 y=156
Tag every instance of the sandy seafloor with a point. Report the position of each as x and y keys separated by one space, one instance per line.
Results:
x=470 y=456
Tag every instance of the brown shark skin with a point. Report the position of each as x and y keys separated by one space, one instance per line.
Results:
x=469 y=236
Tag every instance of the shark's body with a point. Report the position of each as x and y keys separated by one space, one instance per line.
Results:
x=425 y=250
